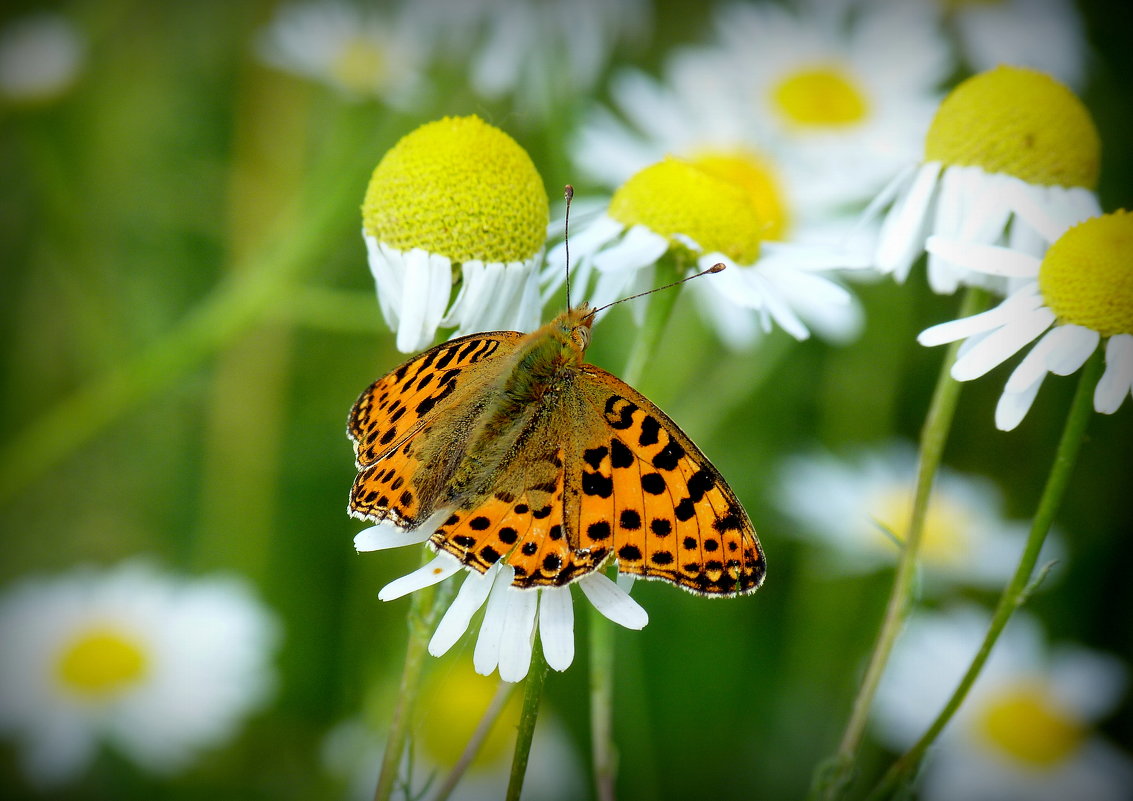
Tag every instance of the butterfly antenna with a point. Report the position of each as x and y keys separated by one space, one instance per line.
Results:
x=715 y=268
x=568 y=193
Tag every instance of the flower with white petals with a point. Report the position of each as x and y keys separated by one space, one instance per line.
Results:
x=858 y=509
x=159 y=667
x=1025 y=730
x=1079 y=294
x=1002 y=140
x=846 y=90
x=40 y=56
x=359 y=53
x=455 y=202
x=512 y=615
x=1046 y=35
x=698 y=214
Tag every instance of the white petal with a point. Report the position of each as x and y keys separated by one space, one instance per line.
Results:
x=556 y=626
x=639 y=248
x=518 y=631
x=440 y=568
x=427 y=286
x=1022 y=302
x=478 y=286
x=1079 y=343
x=1001 y=345
x=612 y=601
x=386 y=267
x=1036 y=363
x=902 y=232
x=885 y=196
x=1117 y=380
x=1013 y=406
x=473 y=592
x=989 y=259
x=486 y=655
x=387 y=535
x=625 y=581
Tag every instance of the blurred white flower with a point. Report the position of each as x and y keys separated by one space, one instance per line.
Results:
x=363 y=53
x=158 y=666
x=858 y=509
x=40 y=56
x=1025 y=730
x=1046 y=35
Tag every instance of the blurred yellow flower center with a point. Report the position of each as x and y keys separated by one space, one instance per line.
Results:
x=1026 y=724
x=359 y=64
x=1020 y=122
x=756 y=177
x=944 y=541
x=460 y=188
x=820 y=97
x=675 y=197
x=101 y=662
x=1087 y=275
x=452 y=706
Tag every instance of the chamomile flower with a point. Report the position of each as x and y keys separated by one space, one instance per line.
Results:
x=1025 y=730
x=362 y=54
x=40 y=57
x=701 y=214
x=511 y=615
x=1046 y=35
x=865 y=506
x=1079 y=294
x=157 y=666
x=1003 y=139
x=455 y=203
x=849 y=94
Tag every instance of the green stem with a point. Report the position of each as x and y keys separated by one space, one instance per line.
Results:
x=833 y=777
x=424 y=609
x=1018 y=589
x=476 y=741
x=532 y=695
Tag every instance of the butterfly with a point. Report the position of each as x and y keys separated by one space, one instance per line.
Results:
x=517 y=450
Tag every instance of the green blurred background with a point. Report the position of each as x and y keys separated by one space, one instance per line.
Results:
x=148 y=205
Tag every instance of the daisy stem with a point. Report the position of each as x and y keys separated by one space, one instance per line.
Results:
x=532 y=695
x=1019 y=588
x=476 y=741
x=833 y=777
x=425 y=606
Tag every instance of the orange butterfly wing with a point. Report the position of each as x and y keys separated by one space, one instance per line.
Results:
x=388 y=419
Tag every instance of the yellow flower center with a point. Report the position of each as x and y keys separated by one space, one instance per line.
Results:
x=1025 y=723
x=101 y=662
x=460 y=188
x=359 y=64
x=675 y=197
x=1086 y=277
x=1019 y=122
x=945 y=539
x=452 y=706
x=756 y=177
x=820 y=97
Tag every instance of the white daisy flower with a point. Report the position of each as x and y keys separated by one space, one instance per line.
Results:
x=1002 y=139
x=512 y=615
x=455 y=202
x=712 y=211
x=534 y=52
x=360 y=53
x=40 y=57
x=865 y=506
x=1046 y=35
x=159 y=667
x=1079 y=294
x=1025 y=730
x=450 y=706
x=848 y=90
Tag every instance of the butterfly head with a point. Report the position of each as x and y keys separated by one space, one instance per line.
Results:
x=574 y=326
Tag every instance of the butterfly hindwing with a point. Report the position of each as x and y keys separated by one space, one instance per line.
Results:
x=390 y=422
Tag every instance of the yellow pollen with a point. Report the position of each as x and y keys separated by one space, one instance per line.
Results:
x=674 y=197
x=945 y=539
x=820 y=97
x=1086 y=277
x=1026 y=724
x=101 y=662
x=451 y=707
x=359 y=65
x=460 y=188
x=1020 y=122
x=758 y=179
